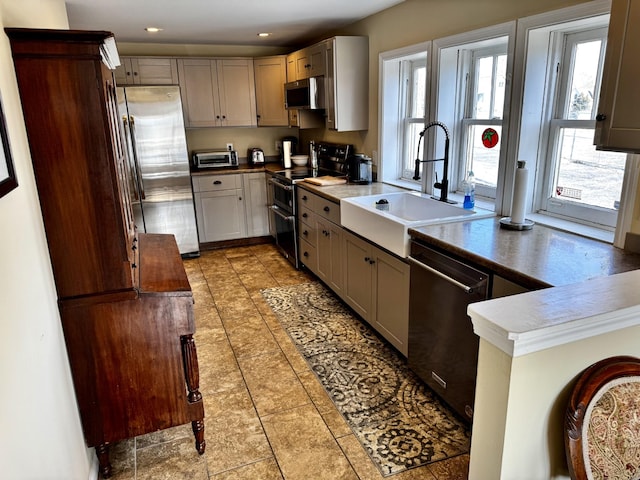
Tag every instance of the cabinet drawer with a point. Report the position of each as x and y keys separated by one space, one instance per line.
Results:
x=306 y=199
x=213 y=183
x=306 y=215
x=308 y=255
x=327 y=209
x=307 y=232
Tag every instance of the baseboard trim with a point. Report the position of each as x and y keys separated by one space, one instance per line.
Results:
x=94 y=468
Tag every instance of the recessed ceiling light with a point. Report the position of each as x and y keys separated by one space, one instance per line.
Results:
x=153 y=29
x=264 y=34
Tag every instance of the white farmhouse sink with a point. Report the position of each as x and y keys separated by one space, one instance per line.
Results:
x=389 y=228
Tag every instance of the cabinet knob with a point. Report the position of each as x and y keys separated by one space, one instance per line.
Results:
x=306 y=254
x=371 y=262
x=304 y=197
x=218 y=182
x=326 y=209
x=304 y=215
x=240 y=198
x=367 y=259
x=305 y=233
x=601 y=117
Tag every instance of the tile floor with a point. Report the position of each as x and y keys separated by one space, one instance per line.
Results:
x=266 y=415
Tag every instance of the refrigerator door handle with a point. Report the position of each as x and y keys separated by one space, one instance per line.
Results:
x=132 y=138
x=133 y=176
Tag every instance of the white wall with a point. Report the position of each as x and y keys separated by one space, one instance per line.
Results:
x=40 y=430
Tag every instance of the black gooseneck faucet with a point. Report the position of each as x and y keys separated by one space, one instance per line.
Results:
x=444 y=184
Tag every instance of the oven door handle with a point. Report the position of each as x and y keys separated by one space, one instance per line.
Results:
x=466 y=288
x=287 y=218
x=288 y=188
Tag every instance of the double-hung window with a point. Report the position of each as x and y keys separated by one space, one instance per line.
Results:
x=404 y=87
x=579 y=182
x=414 y=78
x=481 y=128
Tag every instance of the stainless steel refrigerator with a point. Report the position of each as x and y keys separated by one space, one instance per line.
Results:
x=162 y=196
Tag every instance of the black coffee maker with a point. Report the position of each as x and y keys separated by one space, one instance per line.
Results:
x=360 y=169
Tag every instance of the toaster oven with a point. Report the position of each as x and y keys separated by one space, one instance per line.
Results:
x=215 y=159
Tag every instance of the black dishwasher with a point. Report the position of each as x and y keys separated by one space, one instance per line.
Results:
x=443 y=350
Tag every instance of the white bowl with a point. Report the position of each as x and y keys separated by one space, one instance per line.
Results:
x=300 y=160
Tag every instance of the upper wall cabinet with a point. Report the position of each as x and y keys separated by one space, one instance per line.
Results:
x=271 y=74
x=306 y=63
x=347 y=83
x=618 y=122
x=147 y=71
x=218 y=92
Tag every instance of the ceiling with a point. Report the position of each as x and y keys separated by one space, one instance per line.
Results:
x=224 y=22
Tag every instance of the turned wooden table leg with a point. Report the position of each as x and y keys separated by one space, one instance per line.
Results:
x=192 y=377
x=102 y=451
x=198 y=432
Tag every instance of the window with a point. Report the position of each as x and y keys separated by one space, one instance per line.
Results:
x=414 y=78
x=579 y=182
x=404 y=85
x=481 y=128
x=473 y=97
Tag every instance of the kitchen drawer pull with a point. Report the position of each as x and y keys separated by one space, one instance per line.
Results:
x=217 y=182
x=304 y=197
x=304 y=215
x=466 y=288
x=277 y=211
x=280 y=185
x=305 y=233
x=326 y=209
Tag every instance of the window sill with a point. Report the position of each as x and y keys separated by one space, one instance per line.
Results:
x=572 y=227
x=403 y=184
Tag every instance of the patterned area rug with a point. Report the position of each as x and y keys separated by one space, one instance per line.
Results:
x=398 y=420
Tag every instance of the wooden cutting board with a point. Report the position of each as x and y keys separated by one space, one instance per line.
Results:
x=326 y=180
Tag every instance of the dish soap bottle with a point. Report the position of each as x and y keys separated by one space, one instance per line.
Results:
x=469 y=187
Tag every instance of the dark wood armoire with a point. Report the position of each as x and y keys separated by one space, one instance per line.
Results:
x=124 y=297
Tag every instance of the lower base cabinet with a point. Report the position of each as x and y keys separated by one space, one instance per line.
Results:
x=376 y=286
x=231 y=206
x=374 y=283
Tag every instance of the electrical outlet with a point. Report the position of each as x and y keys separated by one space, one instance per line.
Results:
x=229 y=146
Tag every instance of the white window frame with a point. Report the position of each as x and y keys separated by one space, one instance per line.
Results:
x=450 y=66
x=469 y=119
x=532 y=58
x=391 y=109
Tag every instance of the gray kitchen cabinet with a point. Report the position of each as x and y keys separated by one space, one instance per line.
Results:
x=376 y=286
x=218 y=92
x=329 y=247
x=347 y=83
x=320 y=236
x=270 y=76
x=307 y=62
x=306 y=118
x=147 y=71
x=255 y=189
x=220 y=207
x=617 y=122
x=307 y=233
x=358 y=279
x=501 y=287
x=391 y=298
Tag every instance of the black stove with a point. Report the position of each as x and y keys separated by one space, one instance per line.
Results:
x=294 y=175
x=332 y=161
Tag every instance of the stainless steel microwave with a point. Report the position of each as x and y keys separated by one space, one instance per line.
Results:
x=215 y=159
x=307 y=94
